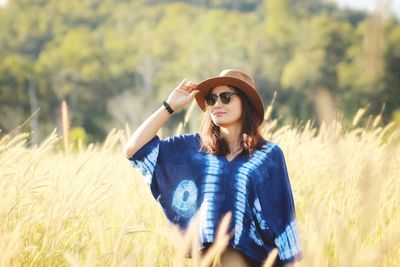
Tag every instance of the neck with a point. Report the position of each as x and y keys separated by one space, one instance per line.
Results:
x=231 y=136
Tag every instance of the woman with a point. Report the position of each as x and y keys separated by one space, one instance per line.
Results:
x=229 y=167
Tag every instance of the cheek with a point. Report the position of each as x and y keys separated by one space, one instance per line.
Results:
x=239 y=109
x=240 y=112
x=237 y=112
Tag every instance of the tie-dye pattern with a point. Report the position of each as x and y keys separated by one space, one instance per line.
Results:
x=288 y=243
x=255 y=189
x=185 y=198
x=241 y=190
x=146 y=166
x=211 y=188
x=257 y=212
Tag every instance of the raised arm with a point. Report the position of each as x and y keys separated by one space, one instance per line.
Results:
x=179 y=98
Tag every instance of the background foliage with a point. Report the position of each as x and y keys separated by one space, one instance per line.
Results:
x=113 y=61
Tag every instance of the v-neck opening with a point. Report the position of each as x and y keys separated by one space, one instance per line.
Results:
x=230 y=161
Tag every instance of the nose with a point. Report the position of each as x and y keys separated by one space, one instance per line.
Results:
x=218 y=103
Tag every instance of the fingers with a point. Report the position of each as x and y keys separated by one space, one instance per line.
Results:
x=182 y=83
x=186 y=87
x=194 y=93
x=191 y=86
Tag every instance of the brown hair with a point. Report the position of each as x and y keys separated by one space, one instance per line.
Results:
x=211 y=138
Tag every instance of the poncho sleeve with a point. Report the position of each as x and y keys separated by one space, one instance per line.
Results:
x=145 y=160
x=277 y=206
x=168 y=169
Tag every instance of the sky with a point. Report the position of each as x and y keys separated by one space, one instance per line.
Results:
x=369 y=5
x=357 y=4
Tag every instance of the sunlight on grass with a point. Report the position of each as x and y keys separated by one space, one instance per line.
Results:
x=90 y=207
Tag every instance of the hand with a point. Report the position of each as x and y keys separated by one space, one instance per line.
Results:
x=182 y=95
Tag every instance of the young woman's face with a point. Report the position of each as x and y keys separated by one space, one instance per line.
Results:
x=227 y=114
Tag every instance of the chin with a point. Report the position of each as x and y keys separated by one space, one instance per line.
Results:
x=222 y=123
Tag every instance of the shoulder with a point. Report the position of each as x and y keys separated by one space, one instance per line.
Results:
x=190 y=137
x=187 y=140
x=272 y=153
x=270 y=148
x=179 y=147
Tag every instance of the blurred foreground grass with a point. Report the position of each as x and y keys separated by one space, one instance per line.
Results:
x=90 y=208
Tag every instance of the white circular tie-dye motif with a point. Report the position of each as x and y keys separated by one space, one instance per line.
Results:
x=185 y=198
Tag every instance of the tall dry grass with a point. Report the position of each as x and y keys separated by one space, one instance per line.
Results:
x=90 y=208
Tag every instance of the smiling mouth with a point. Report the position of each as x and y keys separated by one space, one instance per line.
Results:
x=219 y=113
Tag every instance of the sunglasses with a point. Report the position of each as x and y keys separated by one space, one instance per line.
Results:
x=225 y=97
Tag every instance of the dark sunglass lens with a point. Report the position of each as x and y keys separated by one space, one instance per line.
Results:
x=211 y=99
x=225 y=97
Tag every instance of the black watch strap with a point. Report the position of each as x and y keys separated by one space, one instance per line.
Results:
x=168 y=107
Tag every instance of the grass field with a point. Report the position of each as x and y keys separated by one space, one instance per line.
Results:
x=89 y=207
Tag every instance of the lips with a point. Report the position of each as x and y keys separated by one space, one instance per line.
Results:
x=219 y=113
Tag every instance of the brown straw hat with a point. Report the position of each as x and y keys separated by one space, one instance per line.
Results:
x=237 y=79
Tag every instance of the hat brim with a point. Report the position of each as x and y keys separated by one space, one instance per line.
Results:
x=206 y=86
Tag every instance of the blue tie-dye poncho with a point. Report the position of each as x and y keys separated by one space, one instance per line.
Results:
x=255 y=189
